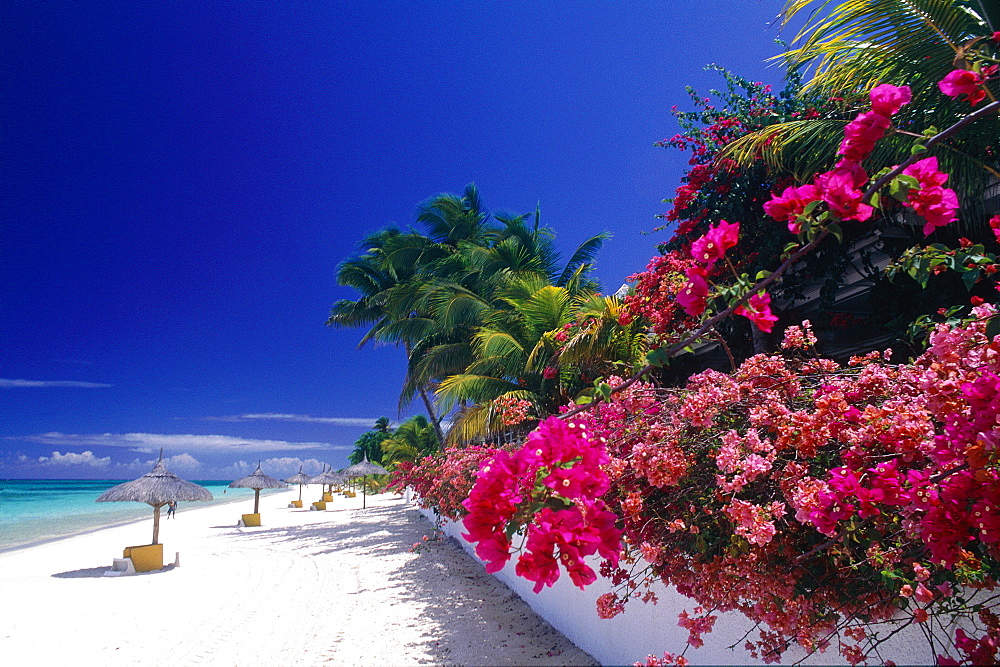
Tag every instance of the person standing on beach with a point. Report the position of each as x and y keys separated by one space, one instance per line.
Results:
x=171 y=508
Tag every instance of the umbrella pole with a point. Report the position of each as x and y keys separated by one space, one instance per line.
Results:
x=300 y=493
x=156 y=523
x=364 y=490
x=256 y=501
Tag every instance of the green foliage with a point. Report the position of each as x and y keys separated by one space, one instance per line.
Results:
x=370 y=443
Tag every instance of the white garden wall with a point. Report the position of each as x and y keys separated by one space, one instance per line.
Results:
x=645 y=629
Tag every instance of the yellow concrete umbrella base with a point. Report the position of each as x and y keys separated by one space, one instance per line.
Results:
x=145 y=558
x=251 y=519
x=295 y=503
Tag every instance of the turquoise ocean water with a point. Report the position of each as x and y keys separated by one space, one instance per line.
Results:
x=38 y=510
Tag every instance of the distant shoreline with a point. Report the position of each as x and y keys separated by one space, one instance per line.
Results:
x=68 y=531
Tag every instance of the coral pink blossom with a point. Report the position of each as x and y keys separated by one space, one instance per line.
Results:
x=714 y=244
x=758 y=311
x=963 y=82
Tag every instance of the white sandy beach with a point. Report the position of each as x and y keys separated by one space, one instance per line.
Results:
x=338 y=587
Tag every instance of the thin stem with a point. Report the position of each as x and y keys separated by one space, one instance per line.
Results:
x=940 y=136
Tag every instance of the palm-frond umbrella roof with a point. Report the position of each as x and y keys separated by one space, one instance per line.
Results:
x=328 y=477
x=257 y=480
x=156 y=487
x=299 y=477
x=365 y=467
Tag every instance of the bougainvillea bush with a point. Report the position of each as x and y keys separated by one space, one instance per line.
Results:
x=443 y=480
x=824 y=501
x=814 y=498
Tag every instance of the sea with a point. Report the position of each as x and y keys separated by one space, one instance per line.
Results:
x=34 y=511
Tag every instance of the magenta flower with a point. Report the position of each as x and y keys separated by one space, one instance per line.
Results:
x=788 y=206
x=963 y=82
x=693 y=296
x=714 y=244
x=837 y=189
x=938 y=206
x=887 y=99
x=758 y=311
x=995 y=226
x=861 y=134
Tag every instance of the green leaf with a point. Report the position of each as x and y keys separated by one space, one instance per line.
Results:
x=604 y=389
x=810 y=207
x=761 y=275
x=657 y=357
x=836 y=230
x=916 y=149
x=993 y=327
x=970 y=277
x=876 y=200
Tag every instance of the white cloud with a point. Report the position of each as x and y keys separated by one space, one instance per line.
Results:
x=151 y=442
x=279 y=467
x=7 y=383
x=86 y=458
x=309 y=419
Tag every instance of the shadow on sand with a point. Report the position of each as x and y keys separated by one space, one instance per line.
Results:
x=466 y=604
x=98 y=572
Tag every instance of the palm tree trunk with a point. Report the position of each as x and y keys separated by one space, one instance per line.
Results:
x=433 y=417
x=156 y=523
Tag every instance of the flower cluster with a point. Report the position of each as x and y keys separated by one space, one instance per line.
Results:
x=547 y=493
x=443 y=480
x=839 y=188
x=511 y=410
x=656 y=291
x=935 y=204
x=812 y=496
x=967 y=82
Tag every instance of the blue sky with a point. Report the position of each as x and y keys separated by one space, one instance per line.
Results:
x=180 y=181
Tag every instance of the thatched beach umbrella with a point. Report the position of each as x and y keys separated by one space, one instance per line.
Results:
x=257 y=480
x=157 y=487
x=299 y=478
x=364 y=469
x=328 y=477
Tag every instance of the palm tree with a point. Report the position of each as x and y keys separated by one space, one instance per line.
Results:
x=852 y=45
x=413 y=439
x=431 y=294
x=601 y=345
x=384 y=275
x=511 y=350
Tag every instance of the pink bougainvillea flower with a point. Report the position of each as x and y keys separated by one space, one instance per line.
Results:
x=858 y=175
x=963 y=82
x=714 y=244
x=837 y=189
x=995 y=226
x=692 y=297
x=861 y=134
x=788 y=206
x=758 y=311
x=938 y=206
x=887 y=99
